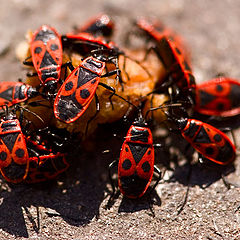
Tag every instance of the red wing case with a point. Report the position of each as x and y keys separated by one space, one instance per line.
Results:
x=218 y=97
x=78 y=90
x=15 y=92
x=209 y=141
x=46 y=50
x=136 y=162
x=14 y=160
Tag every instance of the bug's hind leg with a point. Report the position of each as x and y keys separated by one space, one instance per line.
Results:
x=114 y=195
x=182 y=205
x=159 y=173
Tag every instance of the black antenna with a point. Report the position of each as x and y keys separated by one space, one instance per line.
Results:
x=27 y=110
x=163 y=106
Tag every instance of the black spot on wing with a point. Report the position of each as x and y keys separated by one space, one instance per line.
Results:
x=37 y=50
x=20 y=152
x=17 y=93
x=146 y=167
x=219 y=88
x=54 y=47
x=84 y=93
x=69 y=86
x=217 y=137
x=126 y=165
x=3 y=156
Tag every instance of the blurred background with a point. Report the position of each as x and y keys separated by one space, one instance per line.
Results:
x=73 y=207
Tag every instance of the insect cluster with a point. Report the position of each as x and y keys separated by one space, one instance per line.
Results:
x=82 y=79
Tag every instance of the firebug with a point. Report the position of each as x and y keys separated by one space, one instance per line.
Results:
x=12 y=93
x=218 y=97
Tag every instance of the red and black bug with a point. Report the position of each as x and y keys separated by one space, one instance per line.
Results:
x=12 y=93
x=168 y=49
x=155 y=30
x=179 y=71
x=88 y=45
x=14 y=159
x=46 y=52
x=46 y=167
x=218 y=97
x=47 y=150
x=101 y=25
x=209 y=141
x=78 y=90
x=136 y=161
x=85 y=44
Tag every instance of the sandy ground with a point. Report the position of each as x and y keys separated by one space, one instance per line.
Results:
x=73 y=206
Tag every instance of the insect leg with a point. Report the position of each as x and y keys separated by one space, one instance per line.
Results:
x=158 y=171
x=31 y=219
x=69 y=65
x=181 y=206
x=36 y=154
x=124 y=68
x=34 y=74
x=25 y=62
x=111 y=199
x=110 y=89
x=96 y=113
x=111 y=73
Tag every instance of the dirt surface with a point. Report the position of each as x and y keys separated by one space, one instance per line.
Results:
x=73 y=206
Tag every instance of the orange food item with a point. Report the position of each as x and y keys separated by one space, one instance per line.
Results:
x=138 y=81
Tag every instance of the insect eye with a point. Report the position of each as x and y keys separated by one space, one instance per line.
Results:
x=54 y=47
x=69 y=86
x=37 y=50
